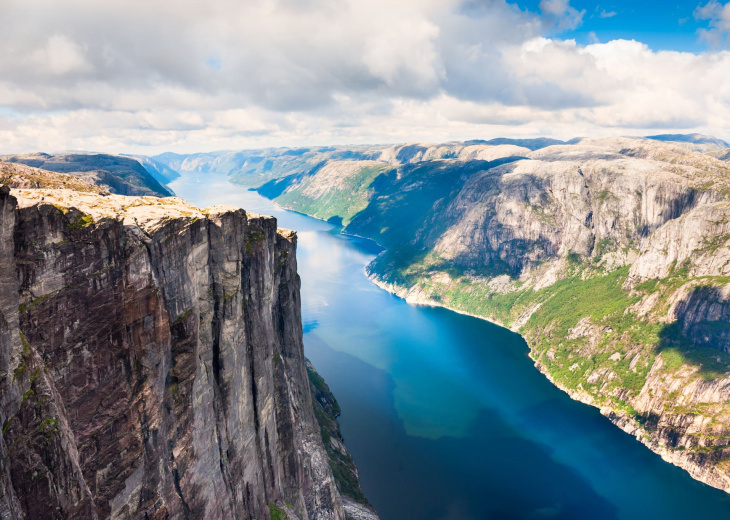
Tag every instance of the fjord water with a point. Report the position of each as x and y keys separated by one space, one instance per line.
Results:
x=444 y=414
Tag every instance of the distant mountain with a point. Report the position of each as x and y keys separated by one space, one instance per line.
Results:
x=257 y=167
x=121 y=175
x=532 y=144
x=707 y=142
x=723 y=155
x=160 y=171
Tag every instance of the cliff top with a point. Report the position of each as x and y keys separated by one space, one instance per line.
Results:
x=20 y=176
x=117 y=174
x=147 y=213
x=32 y=186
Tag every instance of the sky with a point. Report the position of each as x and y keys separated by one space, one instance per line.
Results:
x=148 y=76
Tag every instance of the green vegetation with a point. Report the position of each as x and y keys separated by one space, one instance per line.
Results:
x=568 y=301
x=184 y=315
x=27 y=395
x=6 y=426
x=81 y=221
x=33 y=303
x=326 y=410
x=677 y=350
x=340 y=204
x=19 y=371
x=48 y=425
x=277 y=514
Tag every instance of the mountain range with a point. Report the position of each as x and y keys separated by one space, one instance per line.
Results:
x=611 y=256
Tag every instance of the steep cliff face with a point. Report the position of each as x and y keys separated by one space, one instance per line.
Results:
x=151 y=363
x=326 y=409
x=610 y=256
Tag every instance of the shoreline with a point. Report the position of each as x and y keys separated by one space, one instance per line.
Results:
x=707 y=476
x=679 y=458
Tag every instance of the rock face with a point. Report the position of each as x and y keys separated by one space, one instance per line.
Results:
x=611 y=256
x=326 y=409
x=151 y=363
x=117 y=174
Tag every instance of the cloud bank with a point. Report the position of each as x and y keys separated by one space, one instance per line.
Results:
x=152 y=75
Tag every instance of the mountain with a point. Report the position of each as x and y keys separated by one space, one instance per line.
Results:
x=121 y=175
x=256 y=167
x=151 y=363
x=532 y=144
x=703 y=143
x=611 y=256
x=161 y=172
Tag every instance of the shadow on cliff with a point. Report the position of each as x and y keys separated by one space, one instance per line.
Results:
x=493 y=472
x=701 y=334
x=676 y=349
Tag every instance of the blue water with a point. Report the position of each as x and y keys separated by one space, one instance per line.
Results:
x=445 y=415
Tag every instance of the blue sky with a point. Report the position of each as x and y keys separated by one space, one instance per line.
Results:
x=661 y=25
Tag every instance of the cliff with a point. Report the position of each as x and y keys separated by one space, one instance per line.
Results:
x=151 y=363
x=611 y=257
x=326 y=409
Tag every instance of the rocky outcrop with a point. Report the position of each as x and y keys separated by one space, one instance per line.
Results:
x=151 y=363
x=117 y=174
x=703 y=313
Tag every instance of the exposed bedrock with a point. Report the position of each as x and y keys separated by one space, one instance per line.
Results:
x=151 y=364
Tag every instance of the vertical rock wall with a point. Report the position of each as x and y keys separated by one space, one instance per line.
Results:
x=154 y=368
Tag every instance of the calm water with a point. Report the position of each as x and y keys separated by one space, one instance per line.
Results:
x=445 y=415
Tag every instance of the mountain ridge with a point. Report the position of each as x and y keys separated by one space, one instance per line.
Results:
x=611 y=256
x=118 y=174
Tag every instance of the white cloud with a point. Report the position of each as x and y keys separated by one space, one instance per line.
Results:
x=718 y=16
x=152 y=75
x=59 y=56
x=562 y=14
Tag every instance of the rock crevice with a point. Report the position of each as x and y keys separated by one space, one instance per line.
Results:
x=151 y=363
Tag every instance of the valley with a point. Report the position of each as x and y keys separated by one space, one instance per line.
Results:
x=610 y=256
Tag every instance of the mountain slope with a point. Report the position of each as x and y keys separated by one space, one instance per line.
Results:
x=610 y=256
x=702 y=143
x=256 y=167
x=161 y=172
x=121 y=175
